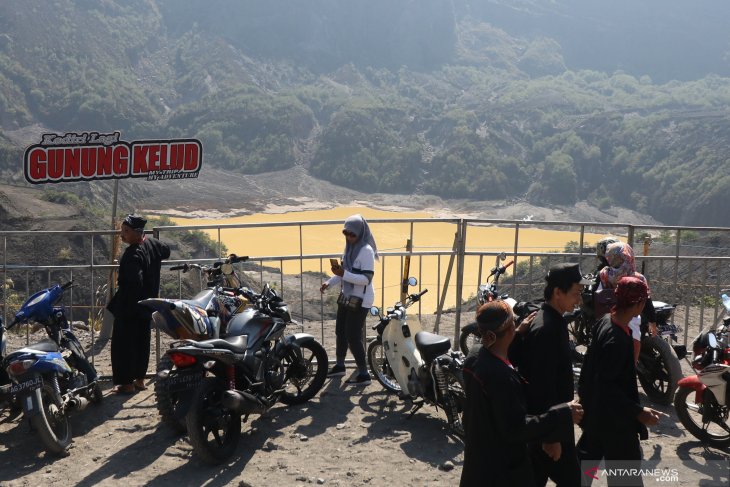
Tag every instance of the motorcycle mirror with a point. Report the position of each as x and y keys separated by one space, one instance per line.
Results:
x=227 y=269
x=375 y=311
x=412 y=281
x=711 y=340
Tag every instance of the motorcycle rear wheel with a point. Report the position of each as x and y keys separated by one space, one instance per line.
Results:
x=214 y=431
x=690 y=415
x=380 y=367
x=308 y=377
x=659 y=370
x=51 y=424
x=166 y=401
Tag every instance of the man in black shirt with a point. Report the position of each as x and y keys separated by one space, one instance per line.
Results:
x=545 y=363
x=495 y=420
x=138 y=279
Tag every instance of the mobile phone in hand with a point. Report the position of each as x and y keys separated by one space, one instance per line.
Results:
x=334 y=263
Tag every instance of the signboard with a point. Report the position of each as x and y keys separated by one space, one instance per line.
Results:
x=90 y=156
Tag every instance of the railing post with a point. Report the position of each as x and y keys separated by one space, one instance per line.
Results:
x=514 y=257
x=461 y=249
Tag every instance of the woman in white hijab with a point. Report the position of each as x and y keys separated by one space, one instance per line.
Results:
x=355 y=277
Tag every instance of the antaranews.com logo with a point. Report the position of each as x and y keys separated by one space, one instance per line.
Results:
x=648 y=474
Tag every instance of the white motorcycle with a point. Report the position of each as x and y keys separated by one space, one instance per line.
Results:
x=417 y=364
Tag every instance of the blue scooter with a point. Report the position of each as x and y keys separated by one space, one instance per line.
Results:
x=51 y=377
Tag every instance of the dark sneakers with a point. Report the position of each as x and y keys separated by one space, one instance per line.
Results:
x=359 y=380
x=336 y=371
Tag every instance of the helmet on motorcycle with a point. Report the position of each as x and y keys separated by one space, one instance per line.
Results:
x=603 y=244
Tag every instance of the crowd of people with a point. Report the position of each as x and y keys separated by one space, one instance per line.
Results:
x=521 y=402
x=520 y=399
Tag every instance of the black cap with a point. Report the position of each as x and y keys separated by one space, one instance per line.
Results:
x=566 y=274
x=135 y=222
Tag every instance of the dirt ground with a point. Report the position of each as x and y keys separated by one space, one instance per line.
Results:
x=345 y=436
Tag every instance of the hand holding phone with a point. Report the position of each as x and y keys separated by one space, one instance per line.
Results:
x=334 y=263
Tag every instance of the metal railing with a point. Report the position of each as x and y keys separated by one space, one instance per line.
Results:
x=690 y=276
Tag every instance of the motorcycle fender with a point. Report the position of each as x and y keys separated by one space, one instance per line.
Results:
x=31 y=403
x=693 y=382
x=470 y=328
x=184 y=401
x=298 y=339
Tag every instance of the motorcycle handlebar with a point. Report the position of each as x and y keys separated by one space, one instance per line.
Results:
x=233 y=258
x=67 y=285
x=181 y=267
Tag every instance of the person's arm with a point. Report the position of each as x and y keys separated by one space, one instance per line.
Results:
x=131 y=279
x=516 y=426
x=540 y=362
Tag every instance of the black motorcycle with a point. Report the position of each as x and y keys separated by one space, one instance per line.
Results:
x=245 y=373
x=658 y=368
x=204 y=316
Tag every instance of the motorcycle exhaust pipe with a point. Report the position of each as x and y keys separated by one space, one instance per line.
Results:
x=242 y=402
x=78 y=403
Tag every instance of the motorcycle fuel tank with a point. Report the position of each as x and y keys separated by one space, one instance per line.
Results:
x=401 y=351
x=251 y=323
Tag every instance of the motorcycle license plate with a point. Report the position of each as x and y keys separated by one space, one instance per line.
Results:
x=27 y=386
x=184 y=379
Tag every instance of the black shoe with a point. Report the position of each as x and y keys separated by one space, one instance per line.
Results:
x=336 y=371
x=359 y=380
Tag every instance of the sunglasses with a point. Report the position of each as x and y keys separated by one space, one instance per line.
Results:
x=348 y=234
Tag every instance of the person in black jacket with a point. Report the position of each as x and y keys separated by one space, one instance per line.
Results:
x=495 y=420
x=614 y=419
x=138 y=279
x=545 y=363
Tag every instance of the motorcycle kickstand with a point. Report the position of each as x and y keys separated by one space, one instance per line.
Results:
x=416 y=407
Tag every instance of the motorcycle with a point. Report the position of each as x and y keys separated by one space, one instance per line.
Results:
x=246 y=372
x=417 y=364
x=702 y=400
x=52 y=377
x=658 y=368
x=205 y=316
x=486 y=292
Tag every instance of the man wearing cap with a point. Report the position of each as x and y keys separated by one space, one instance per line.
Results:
x=614 y=420
x=545 y=363
x=496 y=422
x=138 y=279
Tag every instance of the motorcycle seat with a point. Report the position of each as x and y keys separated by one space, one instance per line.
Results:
x=202 y=299
x=431 y=345
x=44 y=346
x=236 y=344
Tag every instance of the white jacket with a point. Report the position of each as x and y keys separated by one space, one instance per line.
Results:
x=355 y=283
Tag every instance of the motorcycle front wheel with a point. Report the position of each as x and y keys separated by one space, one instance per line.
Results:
x=690 y=415
x=51 y=423
x=214 y=431
x=658 y=370
x=380 y=367
x=306 y=373
x=469 y=338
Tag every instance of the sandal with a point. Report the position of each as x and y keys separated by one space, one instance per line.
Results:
x=125 y=389
x=139 y=385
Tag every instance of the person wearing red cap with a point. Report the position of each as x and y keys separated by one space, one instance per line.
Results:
x=497 y=426
x=138 y=279
x=614 y=419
